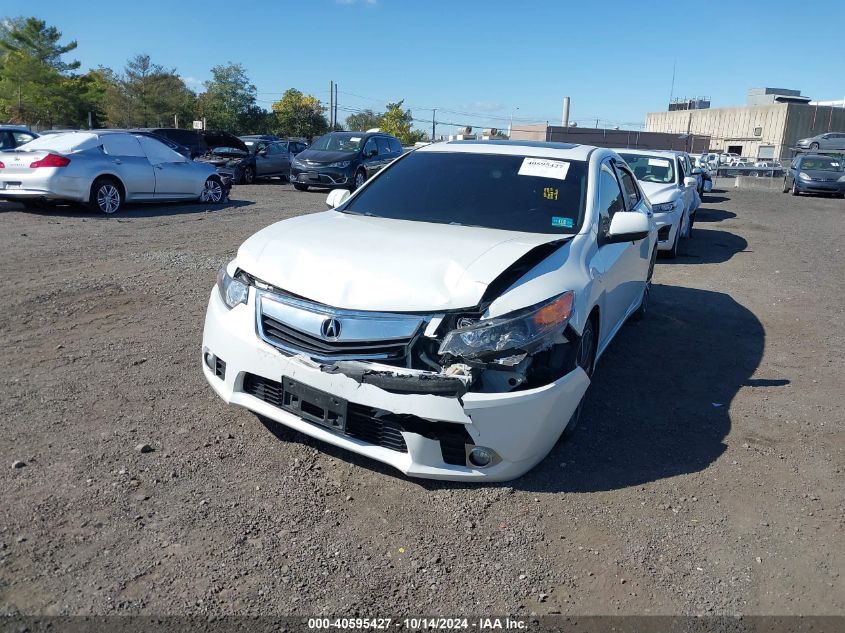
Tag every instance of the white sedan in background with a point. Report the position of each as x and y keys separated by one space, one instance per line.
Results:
x=445 y=325
x=673 y=195
x=104 y=169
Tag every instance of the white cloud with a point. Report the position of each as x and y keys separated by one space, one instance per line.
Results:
x=369 y=3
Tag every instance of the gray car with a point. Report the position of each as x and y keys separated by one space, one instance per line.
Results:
x=104 y=169
x=814 y=173
x=831 y=141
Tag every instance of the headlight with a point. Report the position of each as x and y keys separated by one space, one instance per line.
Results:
x=232 y=291
x=841 y=178
x=804 y=176
x=296 y=163
x=523 y=330
x=663 y=207
x=341 y=164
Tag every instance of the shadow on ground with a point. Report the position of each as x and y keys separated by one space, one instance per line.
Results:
x=659 y=403
x=128 y=211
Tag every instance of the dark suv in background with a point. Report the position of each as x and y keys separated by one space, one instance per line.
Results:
x=343 y=159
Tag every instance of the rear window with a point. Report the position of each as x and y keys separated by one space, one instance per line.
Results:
x=514 y=193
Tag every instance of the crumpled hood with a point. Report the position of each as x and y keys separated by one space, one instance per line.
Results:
x=378 y=264
x=659 y=192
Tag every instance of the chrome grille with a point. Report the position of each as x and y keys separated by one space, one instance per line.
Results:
x=296 y=326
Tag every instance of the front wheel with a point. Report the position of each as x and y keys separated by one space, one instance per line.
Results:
x=795 y=191
x=105 y=197
x=300 y=187
x=586 y=360
x=248 y=177
x=360 y=179
x=672 y=254
x=814 y=145
x=785 y=186
x=212 y=191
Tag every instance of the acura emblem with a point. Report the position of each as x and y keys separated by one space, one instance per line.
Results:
x=330 y=328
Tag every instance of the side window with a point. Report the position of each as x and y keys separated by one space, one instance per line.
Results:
x=632 y=194
x=6 y=141
x=22 y=137
x=395 y=145
x=610 y=198
x=273 y=149
x=681 y=171
x=122 y=145
x=383 y=146
x=370 y=146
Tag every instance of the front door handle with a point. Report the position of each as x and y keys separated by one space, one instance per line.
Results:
x=118 y=161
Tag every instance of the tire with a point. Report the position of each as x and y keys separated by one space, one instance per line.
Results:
x=674 y=252
x=785 y=186
x=106 y=196
x=814 y=145
x=212 y=191
x=640 y=312
x=795 y=191
x=300 y=187
x=360 y=179
x=691 y=224
x=586 y=359
x=30 y=205
x=248 y=177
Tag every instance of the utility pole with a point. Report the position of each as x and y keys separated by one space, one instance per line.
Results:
x=331 y=105
x=90 y=126
x=433 y=123
x=335 y=107
x=175 y=120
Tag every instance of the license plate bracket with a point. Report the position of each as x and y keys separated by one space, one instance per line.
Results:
x=313 y=175
x=313 y=405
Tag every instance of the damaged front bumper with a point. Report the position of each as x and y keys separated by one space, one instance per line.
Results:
x=423 y=423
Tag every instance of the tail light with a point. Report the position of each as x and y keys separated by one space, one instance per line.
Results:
x=51 y=160
x=1 y=164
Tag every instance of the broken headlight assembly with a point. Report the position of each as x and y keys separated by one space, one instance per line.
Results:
x=526 y=330
x=232 y=290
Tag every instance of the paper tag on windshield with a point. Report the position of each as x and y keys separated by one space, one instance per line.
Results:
x=658 y=162
x=355 y=139
x=544 y=168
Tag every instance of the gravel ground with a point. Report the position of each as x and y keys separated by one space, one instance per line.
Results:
x=706 y=476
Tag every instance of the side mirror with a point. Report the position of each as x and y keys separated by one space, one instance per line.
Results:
x=372 y=152
x=689 y=181
x=337 y=197
x=627 y=226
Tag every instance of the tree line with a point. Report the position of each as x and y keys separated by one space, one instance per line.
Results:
x=39 y=88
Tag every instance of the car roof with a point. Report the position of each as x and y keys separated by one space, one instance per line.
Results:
x=16 y=128
x=648 y=152
x=514 y=148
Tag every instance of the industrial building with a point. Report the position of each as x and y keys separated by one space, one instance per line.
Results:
x=767 y=127
x=600 y=137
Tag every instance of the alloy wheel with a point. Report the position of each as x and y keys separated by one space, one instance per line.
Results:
x=108 y=198
x=212 y=191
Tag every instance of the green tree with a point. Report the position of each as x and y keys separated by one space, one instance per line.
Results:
x=41 y=42
x=145 y=95
x=398 y=122
x=298 y=114
x=363 y=121
x=228 y=102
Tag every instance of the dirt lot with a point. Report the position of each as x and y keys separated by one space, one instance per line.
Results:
x=706 y=476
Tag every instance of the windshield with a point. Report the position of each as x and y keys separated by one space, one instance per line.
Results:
x=338 y=143
x=65 y=142
x=514 y=193
x=650 y=168
x=228 y=151
x=821 y=164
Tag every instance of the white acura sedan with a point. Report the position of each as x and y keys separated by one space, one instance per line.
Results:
x=672 y=193
x=446 y=318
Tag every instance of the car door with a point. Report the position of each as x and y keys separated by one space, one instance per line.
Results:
x=687 y=190
x=385 y=152
x=263 y=162
x=280 y=157
x=792 y=172
x=618 y=264
x=126 y=158
x=370 y=156
x=174 y=176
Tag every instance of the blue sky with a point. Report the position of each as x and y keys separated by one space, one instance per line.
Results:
x=478 y=62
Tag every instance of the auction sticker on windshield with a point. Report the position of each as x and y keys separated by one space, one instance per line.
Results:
x=544 y=168
x=658 y=162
